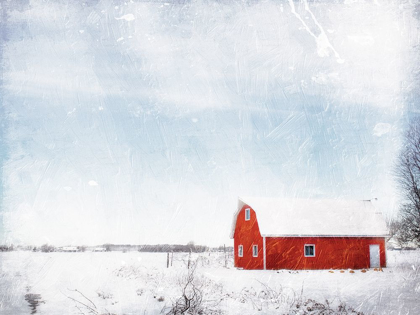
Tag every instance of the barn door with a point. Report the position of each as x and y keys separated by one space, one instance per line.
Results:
x=374 y=256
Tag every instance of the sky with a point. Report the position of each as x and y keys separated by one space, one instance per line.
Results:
x=143 y=121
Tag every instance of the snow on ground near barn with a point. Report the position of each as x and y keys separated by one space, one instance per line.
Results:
x=140 y=283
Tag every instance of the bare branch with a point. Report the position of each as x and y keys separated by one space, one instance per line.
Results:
x=75 y=290
x=407 y=173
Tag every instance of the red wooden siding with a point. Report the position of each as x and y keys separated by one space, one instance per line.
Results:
x=288 y=252
x=330 y=252
x=247 y=233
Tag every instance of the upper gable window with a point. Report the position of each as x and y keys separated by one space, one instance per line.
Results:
x=240 y=251
x=309 y=250
x=247 y=214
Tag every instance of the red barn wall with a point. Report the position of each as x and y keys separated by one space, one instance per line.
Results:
x=330 y=252
x=247 y=233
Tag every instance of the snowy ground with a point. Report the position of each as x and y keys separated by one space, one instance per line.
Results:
x=139 y=283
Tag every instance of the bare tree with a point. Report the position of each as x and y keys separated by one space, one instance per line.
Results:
x=408 y=175
x=398 y=232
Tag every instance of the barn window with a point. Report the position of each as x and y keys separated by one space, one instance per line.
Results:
x=247 y=214
x=241 y=251
x=255 y=250
x=309 y=250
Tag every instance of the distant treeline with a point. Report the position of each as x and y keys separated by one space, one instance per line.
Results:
x=173 y=248
x=160 y=248
x=6 y=248
x=165 y=248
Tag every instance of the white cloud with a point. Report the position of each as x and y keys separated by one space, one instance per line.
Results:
x=381 y=129
x=127 y=17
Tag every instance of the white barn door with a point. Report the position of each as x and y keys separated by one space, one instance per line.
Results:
x=374 y=256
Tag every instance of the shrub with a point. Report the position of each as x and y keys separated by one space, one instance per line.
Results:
x=192 y=299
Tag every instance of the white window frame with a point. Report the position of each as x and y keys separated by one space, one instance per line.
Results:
x=247 y=214
x=304 y=250
x=240 y=251
x=254 y=250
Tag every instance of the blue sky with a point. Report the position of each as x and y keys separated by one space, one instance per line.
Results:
x=142 y=122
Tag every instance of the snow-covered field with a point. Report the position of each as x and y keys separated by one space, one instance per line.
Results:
x=139 y=283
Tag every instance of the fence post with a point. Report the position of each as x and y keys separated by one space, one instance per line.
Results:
x=167 y=261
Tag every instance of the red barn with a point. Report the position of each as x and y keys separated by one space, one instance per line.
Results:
x=308 y=234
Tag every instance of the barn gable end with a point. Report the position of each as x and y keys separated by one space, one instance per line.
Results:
x=247 y=234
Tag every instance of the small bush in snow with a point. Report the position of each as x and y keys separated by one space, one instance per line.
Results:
x=312 y=307
x=285 y=301
x=192 y=299
x=104 y=295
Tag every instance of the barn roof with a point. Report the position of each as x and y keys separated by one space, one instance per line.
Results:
x=314 y=217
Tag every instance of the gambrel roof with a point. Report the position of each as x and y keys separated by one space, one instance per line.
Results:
x=314 y=217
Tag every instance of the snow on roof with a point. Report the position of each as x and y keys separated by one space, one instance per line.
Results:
x=314 y=217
